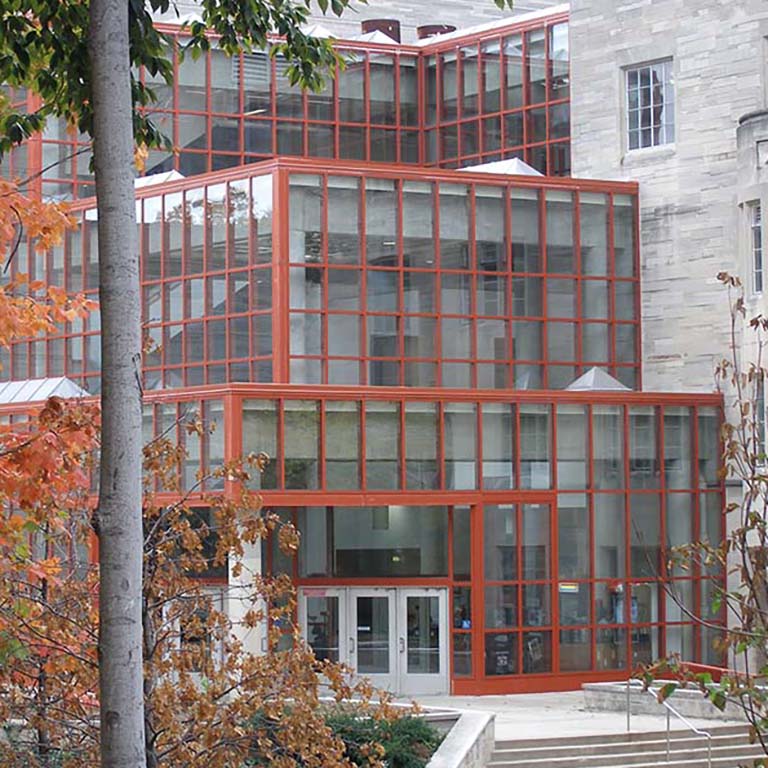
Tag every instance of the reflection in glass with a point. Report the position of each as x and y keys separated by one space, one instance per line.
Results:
x=372 y=634
x=537 y=652
x=501 y=649
x=421 y=445
x=535 y=448
x=423 y=635
x=501 y=607
x=260 y=436
x=322 y=627
x=498 y=445
x=500 y=542
x=643 y=455
x=572 y=437
x=382 y=445
x=462 y=537
x=610 y=532
x=607 y=446
x=575 y=650
x=573 y=536
x=460 y=445
x=536 y=541
x=462 y=655
x=342 y=444
x=301 y=444
x=645 y=525
x=678 y=451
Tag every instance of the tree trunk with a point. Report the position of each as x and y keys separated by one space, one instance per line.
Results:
x=120 y=524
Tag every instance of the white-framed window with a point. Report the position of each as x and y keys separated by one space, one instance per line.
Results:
x=650 y=105
x=755 y=221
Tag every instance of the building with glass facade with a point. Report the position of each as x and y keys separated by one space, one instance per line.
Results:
x=443 y=365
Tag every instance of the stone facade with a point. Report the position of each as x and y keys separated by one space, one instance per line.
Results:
x=689 y=195
x=413 y=13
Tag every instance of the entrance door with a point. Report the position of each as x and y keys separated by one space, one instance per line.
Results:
x=395 y=637
x=372 y=636
x=422 y=641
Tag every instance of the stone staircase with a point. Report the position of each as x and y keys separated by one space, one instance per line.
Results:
x=730 y=749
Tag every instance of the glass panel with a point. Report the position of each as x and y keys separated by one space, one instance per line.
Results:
x=643 y=455
x=501 y=607
x=711 y=517
x=382 y=101
x=526 y=251
x=709 y=448
x=535 y=448
x=454 y=226
x=593 y=210
x=645 y=525
x=624 y=235
x=301 y=444
x=607 y=446
x=409 y=91
x=490 y=230
x=611 y=649
x=343 y=220
x=574 y=603
x=382 y=445
x=260 y=435
x=372 y=633
x=501 y=651
x=537 y=652
x=536 y=65
x=560 y=256
x=575 y=650
x=610 y=535
x=315 y=548
x=381 y=222
x=418 y=226
x=559 y=58
x=342 y=445
x=500 y=542
x=678 y=449
x=498 y=446
x=423 y=635
x=535 y=541
x=322 y=627
x=421 y=445
x=462 y=537
x=449 y=84
x=679 y=525
x=573 y=536
x=390 y=542
x=513 y=75
x=462 y=655
x=462 y=608
x=572 y=439
x=460 y=445
x=491 y=76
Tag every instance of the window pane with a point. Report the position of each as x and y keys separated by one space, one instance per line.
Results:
x=462 y=538
x=535 y=449
x=421 y=445
x=678 y=451
x=382 y=445
x=643 y=454
x=260 y=435
x=460 y=445
x=342 y=445
x=572 y=436
x=301 y=444
x=498 y=446
x=500 y=542
x=645 y=531
x=610 y=533
x=573 y=536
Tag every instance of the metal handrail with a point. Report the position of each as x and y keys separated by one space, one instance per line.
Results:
x=670 y=710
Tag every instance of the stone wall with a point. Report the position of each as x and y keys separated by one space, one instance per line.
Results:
x=688 y=190
x=414 y=13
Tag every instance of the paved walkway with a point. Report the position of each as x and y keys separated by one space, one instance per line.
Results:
x=533 y=715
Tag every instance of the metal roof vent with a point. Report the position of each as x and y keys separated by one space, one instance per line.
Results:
x=433 y=30
x=390 y=27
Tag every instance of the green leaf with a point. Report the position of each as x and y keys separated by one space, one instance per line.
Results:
x=718 y=699
x=666 y=691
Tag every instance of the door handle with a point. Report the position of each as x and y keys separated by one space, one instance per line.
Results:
x=351 y=644
x=402 y=645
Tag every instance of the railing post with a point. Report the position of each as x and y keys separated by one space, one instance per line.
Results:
x=709 y=751
x=629 y=714
x=667 y=734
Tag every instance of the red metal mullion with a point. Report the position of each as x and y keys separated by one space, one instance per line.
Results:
x=440 y=447
x=472 y=239
x=273 y=100
x=321 y=434
x=438 y=283
x=363 y=316
x=519 y=583
x=402 y=445
x=281 y=278
x=627 y=541
x=326 y=277
x=209 y=112
x=280 y=415
x=398 y=126
x=509 y=271
x=477 y=586
x=696 y=509
x=612 y=287
x=337 y=112
x=544 y=298
x=526 y=77
x=579 y=322
x=367 y=103
x=638 y=298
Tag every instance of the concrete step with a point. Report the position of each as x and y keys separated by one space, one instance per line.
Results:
x=717 y=731
x=736 y=754
x=730 y=748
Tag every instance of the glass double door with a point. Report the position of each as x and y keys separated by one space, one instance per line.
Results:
x=395 y=637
